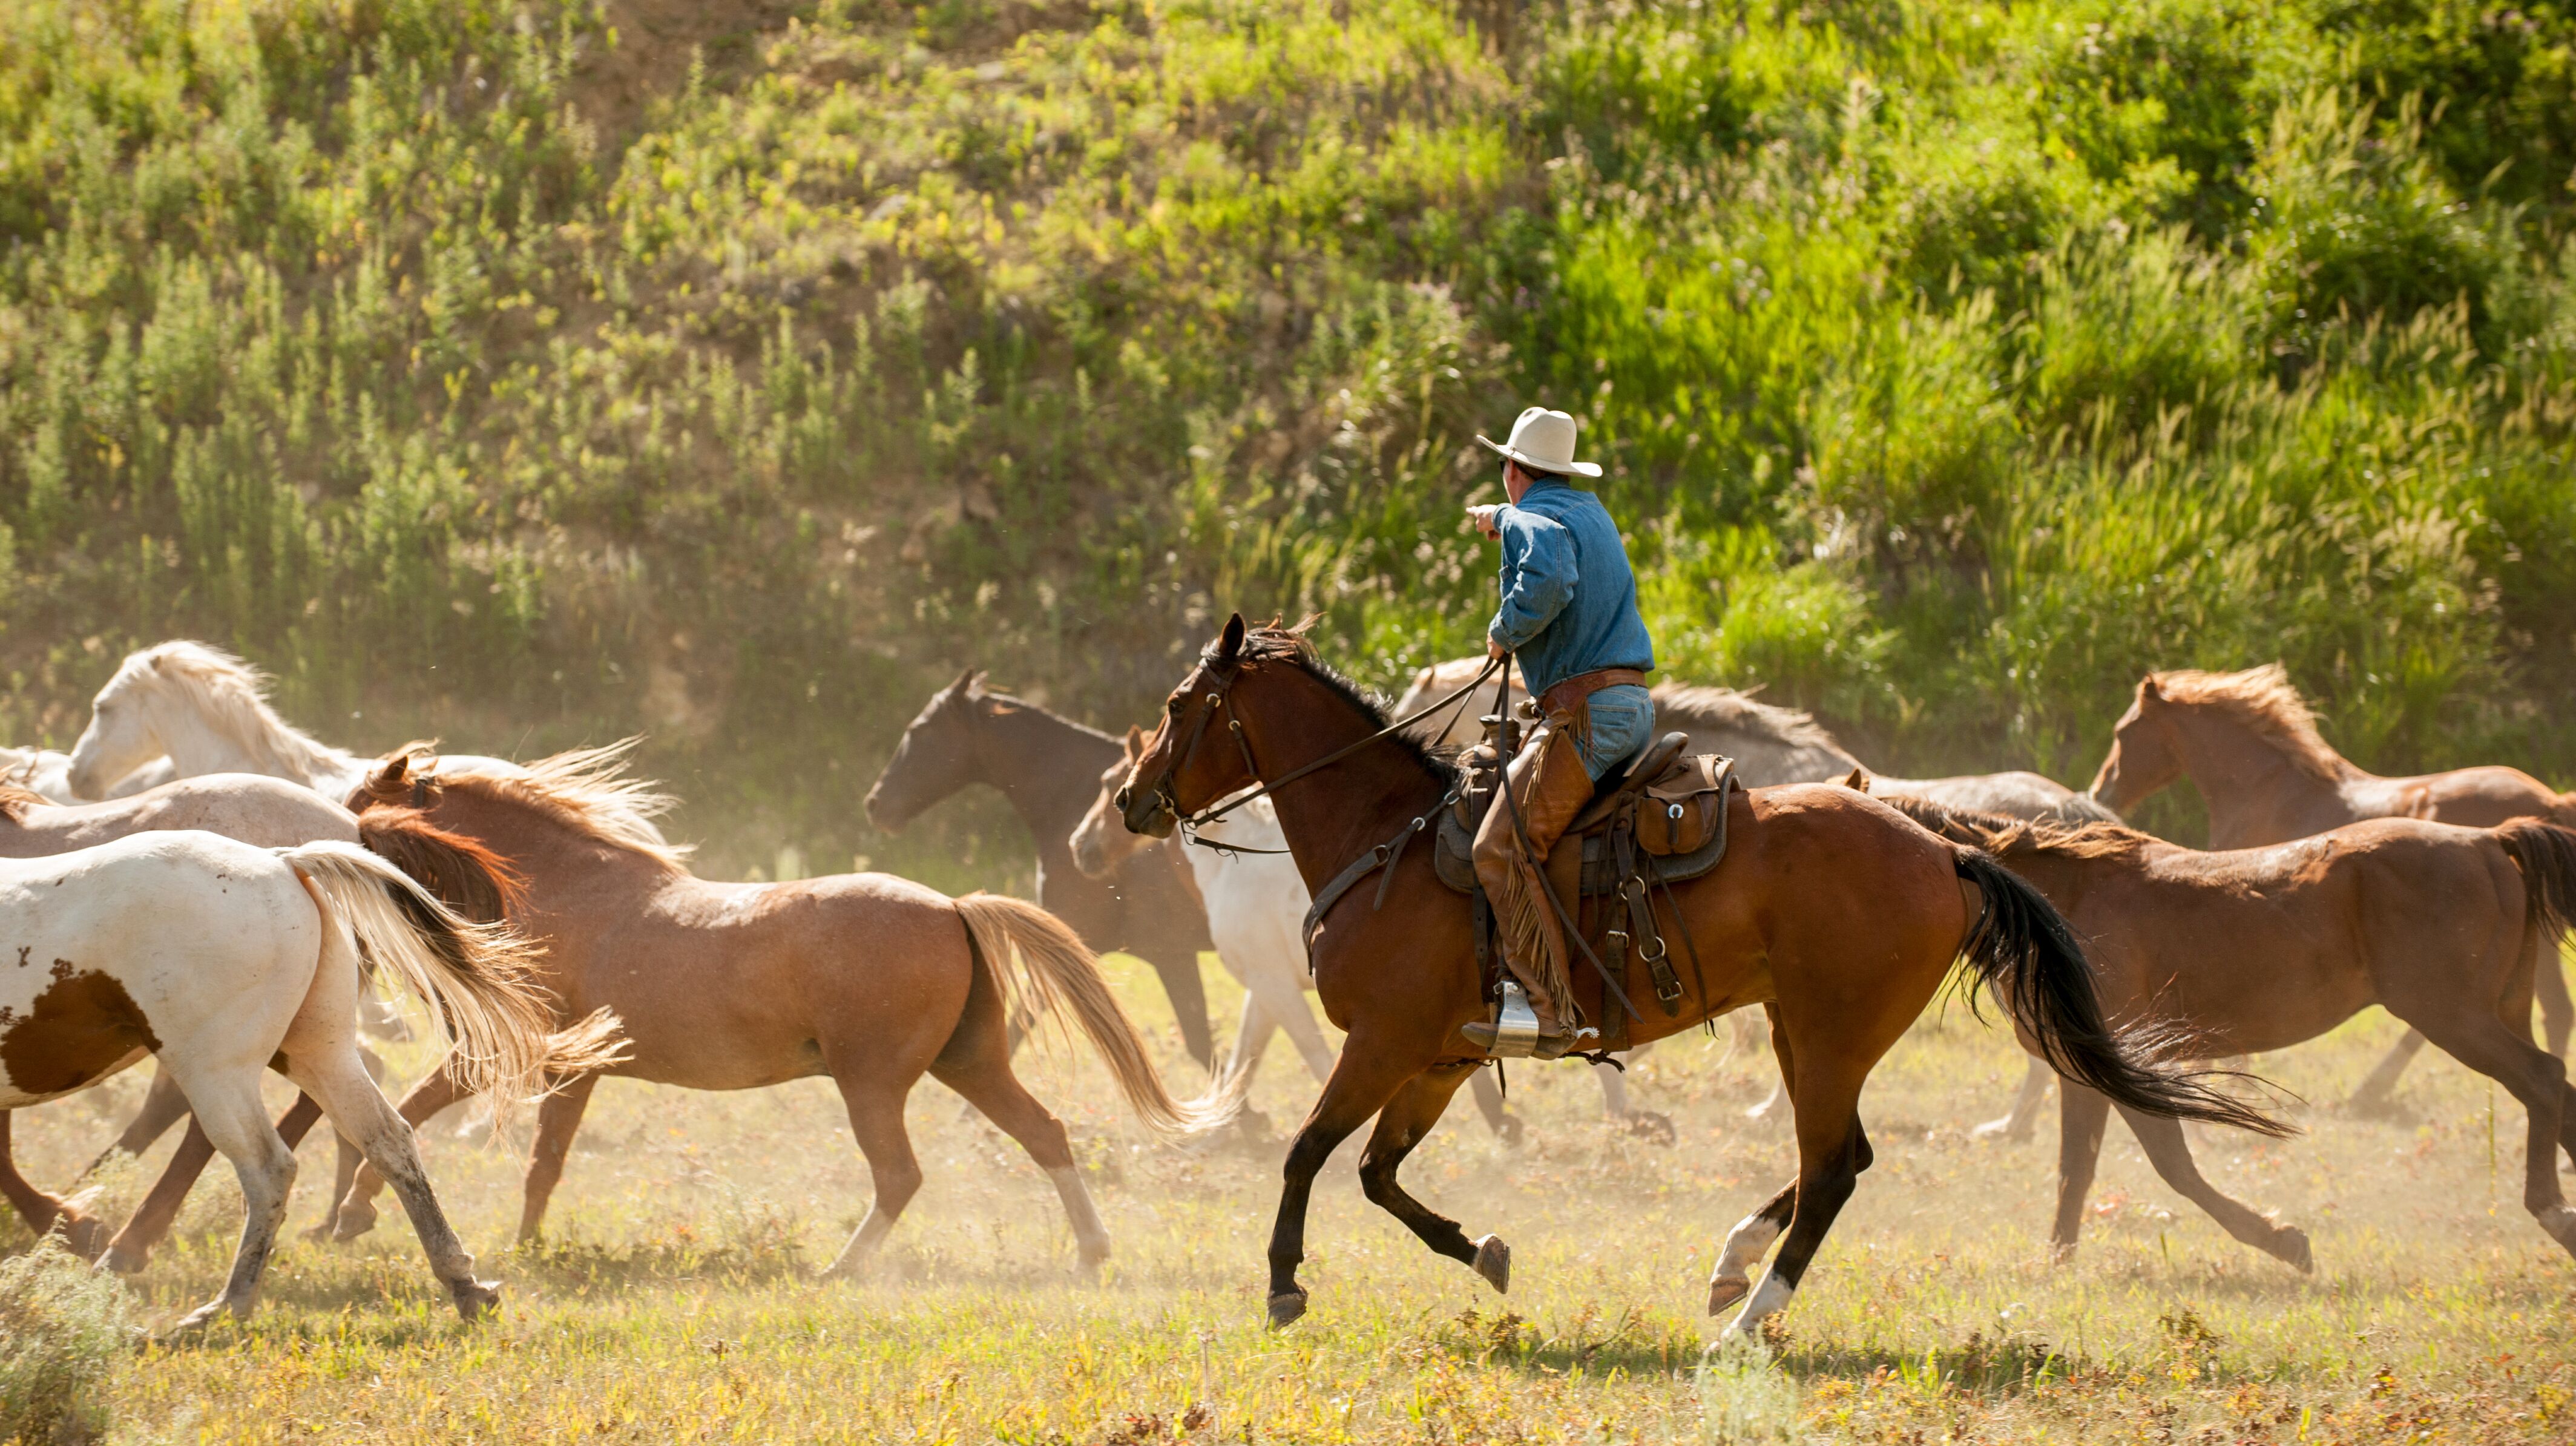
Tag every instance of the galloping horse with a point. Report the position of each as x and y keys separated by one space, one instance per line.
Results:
x=1831 y=910
x=1045 y=765
x=2251 y=744
x=2256 y=949
x=265 y=813
x=208 y=711
x=867 y=978
x=222 y=960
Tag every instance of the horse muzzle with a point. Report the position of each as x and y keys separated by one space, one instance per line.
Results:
x=1151 y=815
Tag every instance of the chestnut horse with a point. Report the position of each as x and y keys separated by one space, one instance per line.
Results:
x=2251 y=744
x=1045 y=765
x=2254 y=949
x=867 y=978
x=1837 y=914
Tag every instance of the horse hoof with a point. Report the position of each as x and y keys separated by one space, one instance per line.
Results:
x=83 y=1235
x=196 y=1320
x=2061 y=1252
x=2560 y=1222
x=1494 y=1262
x=355 y=1220
x=2291 y=1244
x=1725 y=1292
x=1648 y=1125
x=1286 y=1306
x=476 y=1299
x=1509 y=1131
x=2005 y=1129
x=126 y=1259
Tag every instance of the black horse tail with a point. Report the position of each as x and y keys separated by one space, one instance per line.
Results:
x=2546 y=854
x=2021 y=947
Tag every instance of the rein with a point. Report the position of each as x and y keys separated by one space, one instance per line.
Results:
x=1191 y=825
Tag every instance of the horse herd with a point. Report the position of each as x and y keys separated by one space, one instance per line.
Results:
x=240 y=889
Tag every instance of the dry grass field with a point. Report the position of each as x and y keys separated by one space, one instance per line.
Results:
x=672 y=1302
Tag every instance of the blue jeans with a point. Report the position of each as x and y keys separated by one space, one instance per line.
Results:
x=1623 y=723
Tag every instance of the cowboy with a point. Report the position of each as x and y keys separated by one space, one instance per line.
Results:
x=1569 y=612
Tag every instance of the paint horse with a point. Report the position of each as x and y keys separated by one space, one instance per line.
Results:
x=221 y=959
x=263 y=812
x=2251 y=744
x=1836 y=914
x=2234 y=952
x=1046 y=766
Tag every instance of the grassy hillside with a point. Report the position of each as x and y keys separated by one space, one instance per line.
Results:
x=534 y=374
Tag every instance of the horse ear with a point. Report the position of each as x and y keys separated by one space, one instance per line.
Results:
x=392 y=779
x=2149 y=690
x=1135 y=742
x=1231 y=644
x=974 y=681
x=964 y=681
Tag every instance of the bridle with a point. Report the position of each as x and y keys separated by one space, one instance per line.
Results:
x=1190 y=825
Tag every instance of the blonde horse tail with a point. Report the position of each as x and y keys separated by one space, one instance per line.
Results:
x=1041 y=965
x=475 y=979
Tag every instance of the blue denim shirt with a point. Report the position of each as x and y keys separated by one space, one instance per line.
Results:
x=1569 y=598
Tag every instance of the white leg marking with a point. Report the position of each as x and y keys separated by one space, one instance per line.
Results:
x=1769 y=1298
x=1088 y=1232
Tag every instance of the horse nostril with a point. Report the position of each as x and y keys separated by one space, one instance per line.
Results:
x=1122 y=800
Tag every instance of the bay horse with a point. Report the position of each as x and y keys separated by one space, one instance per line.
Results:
x=869 y=979
x=223 y=960
x=263 y=812
x=207 y=712
x=1838 y=915
x=2251 y=744
x=1045 y=765
x=2235 y=952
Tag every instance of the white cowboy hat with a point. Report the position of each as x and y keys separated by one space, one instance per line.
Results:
x=1543 y=441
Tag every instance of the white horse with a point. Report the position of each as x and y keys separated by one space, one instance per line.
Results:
x=209 y=712
x=217 y=958
x=1772 y=745
x=1255 y=905
x=46 y=773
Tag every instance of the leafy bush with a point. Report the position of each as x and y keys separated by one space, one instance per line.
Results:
x=62 y=1330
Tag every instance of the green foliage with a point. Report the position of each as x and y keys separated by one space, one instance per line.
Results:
x=62 y=1330
x=539 y=373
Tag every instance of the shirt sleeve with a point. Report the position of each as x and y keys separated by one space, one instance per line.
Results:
x=1538 y=575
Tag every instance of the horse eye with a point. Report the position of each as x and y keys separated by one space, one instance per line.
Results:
x=1175 y=705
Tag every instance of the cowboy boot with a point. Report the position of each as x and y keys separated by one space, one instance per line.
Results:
x=1547 y=787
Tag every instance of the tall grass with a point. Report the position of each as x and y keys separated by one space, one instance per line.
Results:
x=62 y=1328
x=530 y=374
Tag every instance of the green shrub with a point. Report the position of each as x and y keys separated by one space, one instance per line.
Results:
x=62 y=1332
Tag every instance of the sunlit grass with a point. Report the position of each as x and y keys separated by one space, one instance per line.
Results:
x=672 y=1299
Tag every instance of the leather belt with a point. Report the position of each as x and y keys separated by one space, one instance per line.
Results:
x=1567 y=694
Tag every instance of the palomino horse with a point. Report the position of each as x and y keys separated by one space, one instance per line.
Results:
x=221 y=959
x=867 y=978
x=262 y=812
x=47 y=774
x=1833 y=911
x=2251 y=744
x=209 y=712
x=1255 y=903
x=2262 y=948
x=1044 y=765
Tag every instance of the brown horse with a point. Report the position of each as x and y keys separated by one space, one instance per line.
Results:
x=1836 y=913
x=265 y=812
x=2255 y=949
x=2251 y=744
x=870 y=979
x=1044 y=764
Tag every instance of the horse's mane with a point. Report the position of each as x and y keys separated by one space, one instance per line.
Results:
x=1291 y=646
x=15 y=801
x=2006 y=837
x=232 y=696
x=2266 y=702
x=587 y=790
x=1728 y=708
